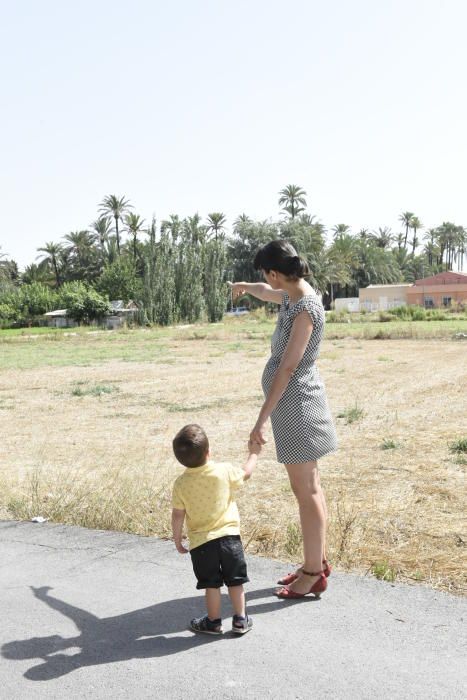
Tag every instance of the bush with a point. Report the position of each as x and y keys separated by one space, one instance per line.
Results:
x=385 y=316
x=36 y=299
x=83 y=303
x=409 y=313
x=120 y=281
x=337 y=316
x=8 y=314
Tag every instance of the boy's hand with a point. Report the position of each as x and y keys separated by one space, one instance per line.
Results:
x=180 y=548
x=254 y=448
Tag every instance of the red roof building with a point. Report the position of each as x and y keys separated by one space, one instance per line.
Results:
x=441 y=290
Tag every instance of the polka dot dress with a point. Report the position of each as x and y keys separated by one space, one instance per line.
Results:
x=301 y=422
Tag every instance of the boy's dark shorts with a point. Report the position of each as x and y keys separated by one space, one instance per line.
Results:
x=220 y=561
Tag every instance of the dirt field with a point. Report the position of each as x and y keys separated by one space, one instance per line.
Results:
x=87 y=422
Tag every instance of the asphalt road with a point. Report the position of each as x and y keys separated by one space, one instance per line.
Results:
x=91 y=614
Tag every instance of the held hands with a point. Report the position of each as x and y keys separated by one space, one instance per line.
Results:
x=254 y=448
x=257 y=435
x=238 y=289
x=180 y=548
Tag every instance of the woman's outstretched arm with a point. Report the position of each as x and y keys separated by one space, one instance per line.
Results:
x=301 y=332
x=260 y=290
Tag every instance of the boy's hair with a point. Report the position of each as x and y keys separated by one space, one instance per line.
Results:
x=191 y=445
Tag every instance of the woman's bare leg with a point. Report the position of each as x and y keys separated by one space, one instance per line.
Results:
x=304 y=480
x=325 y=511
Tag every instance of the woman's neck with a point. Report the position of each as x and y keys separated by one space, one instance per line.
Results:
x=297 y=290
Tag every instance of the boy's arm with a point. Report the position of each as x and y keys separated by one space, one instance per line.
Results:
x=178 y=517
x=254 y=450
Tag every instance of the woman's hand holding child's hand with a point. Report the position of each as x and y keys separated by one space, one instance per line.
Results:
x=254 y=448
x=257 y=434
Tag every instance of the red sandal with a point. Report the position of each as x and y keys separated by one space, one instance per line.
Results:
x=293 y=576
x=317 y=588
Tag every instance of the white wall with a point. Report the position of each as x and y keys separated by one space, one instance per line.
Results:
x=351 y=304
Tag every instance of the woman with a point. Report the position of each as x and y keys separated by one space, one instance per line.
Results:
x=295 y=400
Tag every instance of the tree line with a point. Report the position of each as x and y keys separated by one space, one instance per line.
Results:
x=176 y=270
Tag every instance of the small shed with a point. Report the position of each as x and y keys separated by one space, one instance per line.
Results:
x=59 y=319
x=120 y=314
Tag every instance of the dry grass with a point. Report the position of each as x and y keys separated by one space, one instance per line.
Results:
x=103 y=459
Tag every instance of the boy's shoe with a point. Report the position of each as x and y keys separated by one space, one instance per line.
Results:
x=205 y=625
x=241 y=625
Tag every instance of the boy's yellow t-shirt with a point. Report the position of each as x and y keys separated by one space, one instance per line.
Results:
x=207 y=494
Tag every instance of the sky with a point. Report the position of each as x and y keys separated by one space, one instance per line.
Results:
x=215 y=105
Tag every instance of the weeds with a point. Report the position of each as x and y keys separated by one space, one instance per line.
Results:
x=383 y=572
x=459 y=446
x=352 y=415
x=293 y=540
x=389 y=444
x=96 y=390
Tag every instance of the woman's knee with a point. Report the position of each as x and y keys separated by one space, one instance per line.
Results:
x=304 y=483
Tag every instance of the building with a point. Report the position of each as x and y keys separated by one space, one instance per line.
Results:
x=119 y=314
x=438 y=291
x=380 y=297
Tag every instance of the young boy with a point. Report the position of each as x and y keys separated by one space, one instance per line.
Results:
x=205 y=494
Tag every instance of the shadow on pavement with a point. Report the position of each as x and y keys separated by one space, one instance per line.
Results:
x=136 y=634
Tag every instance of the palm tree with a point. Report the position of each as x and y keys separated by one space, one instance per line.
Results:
x=83 y=254
x=102 y=228
x=363 y=234
x=116 y=207
x=134 y=224
x=450 y=239
x=292 y=200
x=52 y=254
x=340 y=230
x=242 y=220
x=216 y=221
x=399 y=239
x=34 y=273
x=306 y=219
x=406 y=219
x=383 y=237
x=343 y=255
x=462 y=244
x=415 y=224
x=174 y=225
x=195 y=230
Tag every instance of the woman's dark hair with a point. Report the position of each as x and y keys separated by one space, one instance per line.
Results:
x=281 y=256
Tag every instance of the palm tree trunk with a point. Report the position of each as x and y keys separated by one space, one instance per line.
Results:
x=57 y=276
x=117 y=234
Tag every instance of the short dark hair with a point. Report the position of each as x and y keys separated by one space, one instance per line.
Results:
x=191 y=445
x=282 y=257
